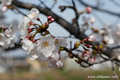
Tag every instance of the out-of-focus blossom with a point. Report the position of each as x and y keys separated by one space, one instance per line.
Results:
x=117 y=34
x=119 y=57
x=92 y=20
x=91 y=38
x=59 y=64
x=4 y=8
x=88 y=9
x=101 y=31
x=6 y=2
x=85 y=19
x=109 y=39
x=7 y=37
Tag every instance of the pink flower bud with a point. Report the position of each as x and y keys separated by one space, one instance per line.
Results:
x=52 y=20
x=88 y=46
x=93 y=60
x=30 y=30
x=59 y=64
x=28 y=36
x=117 y=34
x=34 y=41
x=88 y=9
x=4 y=8
x=49 y=18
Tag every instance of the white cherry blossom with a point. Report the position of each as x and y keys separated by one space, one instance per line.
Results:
x=24 y=26
x=26 y=44
x=46 y=45
x=33 y=14
x=60 y=43
x=91 y=38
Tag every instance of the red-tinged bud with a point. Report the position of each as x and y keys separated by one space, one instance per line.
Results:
x=88 y=9
x=81 y=41
x=52 y=20
x=38 y=19
x=86 y=39
x=31 y=23
x=47 y=24
x=88 y=46
x=62 y=8
x=89 y=59
x=30 y=30
x=29 y=36
x=84 y=54
x=70 y=55
x=4 y=29
x=93 y=60
x=49 y=18
x=104 y=42
x=34 y=41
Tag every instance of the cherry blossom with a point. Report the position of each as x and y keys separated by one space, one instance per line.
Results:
x=33 y=14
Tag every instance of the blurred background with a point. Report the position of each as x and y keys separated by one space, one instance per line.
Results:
x=15 y=65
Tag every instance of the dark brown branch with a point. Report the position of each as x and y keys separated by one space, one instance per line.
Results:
x=116 y=47
x=77 y=15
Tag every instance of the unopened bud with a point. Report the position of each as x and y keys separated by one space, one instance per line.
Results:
x=88 y=9
x=49 y=18
x=88 y=46
x=29 y=36
x=52 y=20
x=34 y=41
x=62 y=8
x=30 y=30
x=76 y=45
x=70 y=55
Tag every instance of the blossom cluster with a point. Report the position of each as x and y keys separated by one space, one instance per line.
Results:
x=38 y=41
x=7 y=35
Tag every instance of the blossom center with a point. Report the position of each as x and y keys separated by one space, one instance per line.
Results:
x=34 y=14
x=45 y=44
x=56 y=41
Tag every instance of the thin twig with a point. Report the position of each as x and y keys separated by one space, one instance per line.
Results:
x=19 y=11
x=77 y=15
x=113 y=69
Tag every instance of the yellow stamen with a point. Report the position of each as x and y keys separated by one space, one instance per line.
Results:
x=56 y=41
x=34 y=14
x=45 y=44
